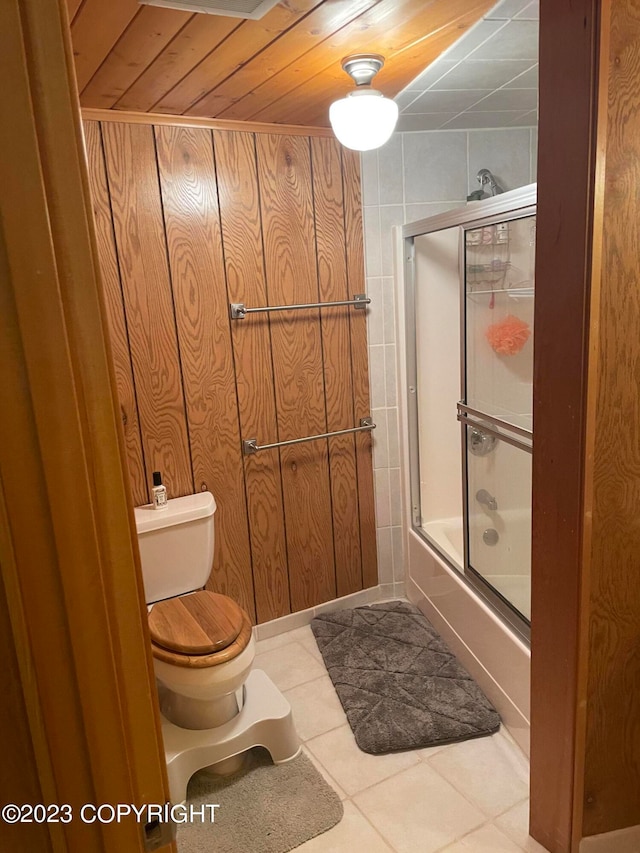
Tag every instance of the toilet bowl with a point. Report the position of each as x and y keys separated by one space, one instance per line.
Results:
x=203 y=650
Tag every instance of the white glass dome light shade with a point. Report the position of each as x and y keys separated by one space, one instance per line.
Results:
x=364 y=120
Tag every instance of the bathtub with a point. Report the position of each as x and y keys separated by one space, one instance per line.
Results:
x=505 y=565
x=495 y=656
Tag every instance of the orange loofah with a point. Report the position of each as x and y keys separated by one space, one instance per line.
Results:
x=509 y=335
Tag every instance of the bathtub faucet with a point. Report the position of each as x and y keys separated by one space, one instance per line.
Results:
x=483 y=497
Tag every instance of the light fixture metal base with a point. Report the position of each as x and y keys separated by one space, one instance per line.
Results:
x=362 y=67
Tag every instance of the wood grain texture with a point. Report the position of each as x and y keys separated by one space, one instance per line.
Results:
x=244 y=261
x=262 y=220
x=336 y=345
x=284 y=171
x=360 y=366
x=198 y=38
x=198 y=624
x=568 y=70
x=19 y=772
x=139 y=230
x=195 y=121
x=226 y=99
x=282 y=67
x=409 y=35
x=215 y=659
x=612 y=753
x=96 y=28
x=114 y=305
x=78 y=585
x=194 y=243
x=149 y=32
x=72 y=8
x=249 y=38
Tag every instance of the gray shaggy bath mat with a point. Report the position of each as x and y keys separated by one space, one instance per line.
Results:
x=264 y=808
x=399 y=684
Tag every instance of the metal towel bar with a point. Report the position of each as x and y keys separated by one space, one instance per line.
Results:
x=250 y=445
x=239 y=311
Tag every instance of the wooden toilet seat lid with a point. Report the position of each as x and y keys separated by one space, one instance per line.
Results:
x=201 y=623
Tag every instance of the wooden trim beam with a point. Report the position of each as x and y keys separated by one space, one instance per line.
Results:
x=68 y=556
x=566 y=263
x=195 y=121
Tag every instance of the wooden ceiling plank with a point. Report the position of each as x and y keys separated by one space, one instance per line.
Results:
x=145 y=37
x=399 y=75
x=386 y=15
x=249 y=38
x=72 y=8
x=308 y=33
x=95 y=29
x=202 y=35
x=409 y=44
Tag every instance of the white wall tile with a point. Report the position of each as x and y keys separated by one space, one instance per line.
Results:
x=369 y=178
x=390 y=215
x=372 y=247
x=383 y=503
x=473 y=38
x=389 y=311
x=375 y=312
x=506 y=153
x=380 y=439
x=393 y=437
x=414 y=212
x=385 y=555
x=397 y=550
x=390 y=374
x=377 y=377
x=395 y=496
x=390 y=171
x=434 y=166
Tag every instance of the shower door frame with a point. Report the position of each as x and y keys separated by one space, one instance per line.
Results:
x=515 y=204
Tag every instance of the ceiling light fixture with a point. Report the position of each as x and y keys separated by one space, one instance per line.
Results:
x=365 y=119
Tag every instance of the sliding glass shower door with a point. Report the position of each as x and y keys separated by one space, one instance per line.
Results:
x=469 y=318
x=496 y=407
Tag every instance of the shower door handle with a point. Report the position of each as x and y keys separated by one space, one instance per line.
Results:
x=489 y=425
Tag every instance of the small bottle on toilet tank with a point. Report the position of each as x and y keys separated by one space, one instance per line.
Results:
x=158 y=492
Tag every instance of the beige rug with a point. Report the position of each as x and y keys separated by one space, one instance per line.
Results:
x=265 y=808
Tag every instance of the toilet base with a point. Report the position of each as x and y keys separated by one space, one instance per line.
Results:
x=265 y=720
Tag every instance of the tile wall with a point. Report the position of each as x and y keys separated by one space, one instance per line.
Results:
x=413 y=176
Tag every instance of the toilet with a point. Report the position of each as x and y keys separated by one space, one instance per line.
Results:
x=213 y=705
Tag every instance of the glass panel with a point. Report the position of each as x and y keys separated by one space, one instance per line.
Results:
x=499 y=518
x=437 y=318
x=499 y=291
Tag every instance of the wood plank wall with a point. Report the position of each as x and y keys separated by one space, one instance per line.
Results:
x=611 y=792
x=188 y=220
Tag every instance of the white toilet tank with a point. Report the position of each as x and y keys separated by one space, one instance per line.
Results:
x=176 y=545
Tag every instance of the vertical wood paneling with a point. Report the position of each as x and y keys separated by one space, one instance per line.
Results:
x=336 y=345
x=284 y=171
x=139 y=229
x=360 y=362
x=612 y=749
x=242 y=235
x=194 y=242
x=115 y=312
x=201 y=220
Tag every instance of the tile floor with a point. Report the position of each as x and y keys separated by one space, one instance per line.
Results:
x=469 y=797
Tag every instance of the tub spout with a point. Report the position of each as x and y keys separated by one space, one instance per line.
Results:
x=483 y=497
